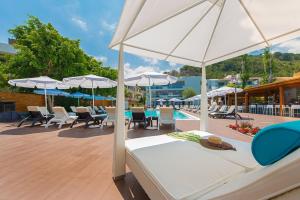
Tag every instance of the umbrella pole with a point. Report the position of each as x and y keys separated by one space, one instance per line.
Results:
x=45 y=92
x=235 y=104
x=78 y=101
x=93 y=94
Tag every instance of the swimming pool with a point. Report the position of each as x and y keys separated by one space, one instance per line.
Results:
x=156 y=113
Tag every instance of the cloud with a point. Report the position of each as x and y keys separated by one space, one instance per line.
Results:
x=102 y=59
x=80 y=23
x=151 y=61
x=292 y=46
x=130 y=70
x=108 y=26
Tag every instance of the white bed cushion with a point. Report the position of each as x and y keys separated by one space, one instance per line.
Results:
x=242 y=156
x=181 y=169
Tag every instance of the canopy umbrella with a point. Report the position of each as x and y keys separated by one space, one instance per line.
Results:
x=90 y=81
x=175 y=100
x=210 y=31
x=149 y=79
x=78 y=95
x=52 y=92
x=42 y=82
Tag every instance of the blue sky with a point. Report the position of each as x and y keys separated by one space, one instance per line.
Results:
x=93 y=22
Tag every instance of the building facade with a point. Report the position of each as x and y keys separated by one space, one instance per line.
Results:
x=175 y=90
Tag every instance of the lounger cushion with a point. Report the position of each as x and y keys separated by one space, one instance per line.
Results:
x=275 y=142
x=167 y=162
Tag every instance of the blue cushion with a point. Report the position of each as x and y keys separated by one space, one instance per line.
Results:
x=274 y=142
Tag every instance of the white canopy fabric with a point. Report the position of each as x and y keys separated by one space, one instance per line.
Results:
x=175 y=100
x=42 y=82
x=149 y=79
x=90 y=81
x=222 y=91
x=194 y=32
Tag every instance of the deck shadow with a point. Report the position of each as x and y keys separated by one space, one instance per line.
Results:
x=25 y=130
x=130 y=189
x=81 y=132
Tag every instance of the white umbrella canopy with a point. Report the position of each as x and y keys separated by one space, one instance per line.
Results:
x=148 y=79
x=42 y=82
x=90 y=81
x=175 y=100
x=210 y=30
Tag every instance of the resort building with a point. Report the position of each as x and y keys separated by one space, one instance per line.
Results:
x=284 y=93
x=175 y=90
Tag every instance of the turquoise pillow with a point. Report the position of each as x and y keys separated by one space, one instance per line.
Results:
x=274 y=142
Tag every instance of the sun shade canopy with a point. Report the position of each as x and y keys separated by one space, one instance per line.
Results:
x=149 y=79
x=42 y=82
x=90 y=81
x=194 y=32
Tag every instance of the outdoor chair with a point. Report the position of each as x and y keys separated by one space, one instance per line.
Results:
x=138 y=116
x=260 y=109
x=35 y=115
x=73 y=109
x=92 y=111
x=111 y=115
x=215 y=109
x=253 y=109
x=166 y=117
x=269 y=110
x=286 y=110
x=277 y=110
x=84 y=115
x=61 y=117
x=295 y=110
x=223 y=115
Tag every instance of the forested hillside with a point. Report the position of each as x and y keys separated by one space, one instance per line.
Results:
x=284 y=64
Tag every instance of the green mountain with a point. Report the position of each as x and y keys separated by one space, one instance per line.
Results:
x=284 y=64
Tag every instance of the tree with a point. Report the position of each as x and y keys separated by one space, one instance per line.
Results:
x=188 y=92
x=268 y=64
x=245 y=71
x=41 y=50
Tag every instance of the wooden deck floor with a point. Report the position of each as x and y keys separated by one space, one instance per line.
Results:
x=39 y=163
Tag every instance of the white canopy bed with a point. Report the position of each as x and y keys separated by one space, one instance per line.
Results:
x=200 y=33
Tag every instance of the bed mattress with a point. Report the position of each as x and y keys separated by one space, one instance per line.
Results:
x=186 y=170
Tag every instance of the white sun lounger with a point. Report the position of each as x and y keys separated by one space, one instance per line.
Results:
x=172 y=169
x=61 y=117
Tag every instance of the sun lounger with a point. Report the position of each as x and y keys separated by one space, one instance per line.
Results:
x=35 y=115
x=166 y=117
x=214 y=110
x=138 y=116
x=61 y=117
x=111 y=115
x=173 y=169
x=73 y=109
x=223 y=115
x=84 y=115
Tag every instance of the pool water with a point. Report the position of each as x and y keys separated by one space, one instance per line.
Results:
x=156 y=113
